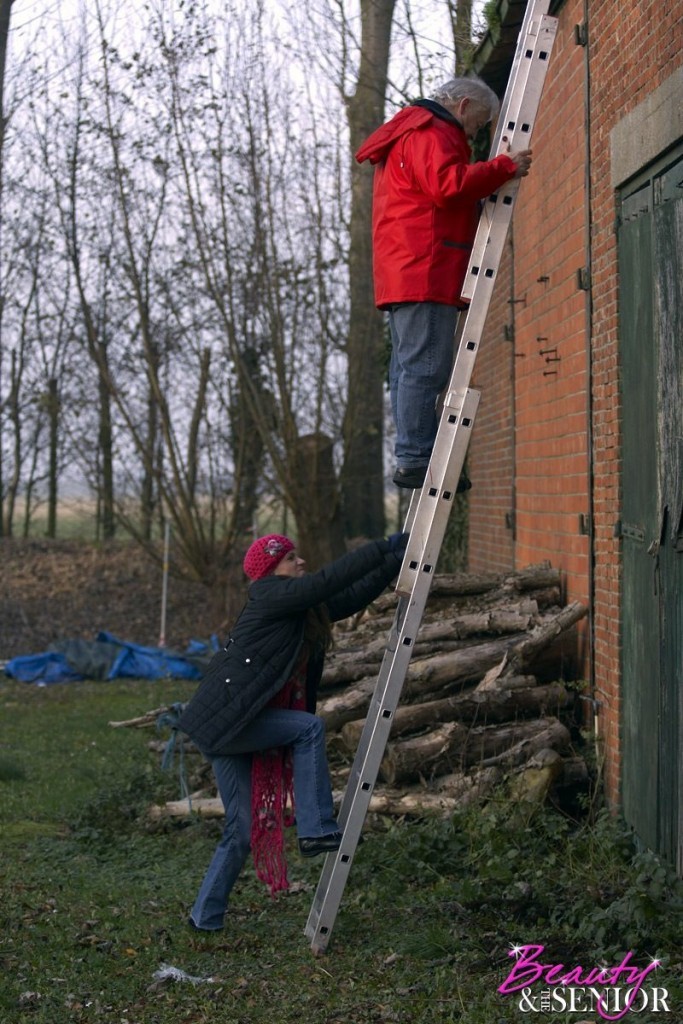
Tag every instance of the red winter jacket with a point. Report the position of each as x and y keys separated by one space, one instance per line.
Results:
x=425 y=204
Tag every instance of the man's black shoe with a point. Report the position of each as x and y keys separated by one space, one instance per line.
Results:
x=415 y=478
x=196 y=928
x=320 y=844
x=412 y=477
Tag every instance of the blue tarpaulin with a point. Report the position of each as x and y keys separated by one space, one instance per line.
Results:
x=107 y=657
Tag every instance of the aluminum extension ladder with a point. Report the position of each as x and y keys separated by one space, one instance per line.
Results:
x=430 y=507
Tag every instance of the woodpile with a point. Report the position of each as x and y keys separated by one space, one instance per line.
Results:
x=482 y=702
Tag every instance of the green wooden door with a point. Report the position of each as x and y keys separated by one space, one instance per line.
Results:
x=668 y=250
x=650 y=243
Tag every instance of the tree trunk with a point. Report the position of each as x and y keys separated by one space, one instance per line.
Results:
x=247 y=440
x=461 y=25
x=197 y=415
x=105 y=483
x=5 y=10
x=320 y=528
x=15 y=419
x=363 y=472
x=53 y=409
x=5 y=7
x=147 y=491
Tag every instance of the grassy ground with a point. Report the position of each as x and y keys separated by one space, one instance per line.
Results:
x=95 y=899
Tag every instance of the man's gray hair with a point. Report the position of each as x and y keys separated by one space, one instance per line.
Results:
x=455 y=89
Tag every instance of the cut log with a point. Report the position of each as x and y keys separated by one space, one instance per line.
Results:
x=413 y=804
x=463 y=791
x=347 y=705
x=524 y=653
x=424 y=756
x=534 y=577
x=346 y=665
x=142 y=721
x=425 y=675
x=345 y=668
x=463 y=584
x=551 y=733
x=479 y=781
x=484 y=707
x=205 y=807
x=453 y=745
x=537 y=777
x=446 y=670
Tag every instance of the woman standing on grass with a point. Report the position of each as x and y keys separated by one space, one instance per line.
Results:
x=253 y=714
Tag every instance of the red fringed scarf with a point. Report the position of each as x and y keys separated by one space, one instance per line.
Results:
x=272 y=794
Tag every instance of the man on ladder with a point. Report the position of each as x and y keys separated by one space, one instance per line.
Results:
x=426 y=201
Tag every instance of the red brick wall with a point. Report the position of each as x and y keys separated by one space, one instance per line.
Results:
x=491 y=453
x=551 y=427
x=541 y=380
x=532 y=436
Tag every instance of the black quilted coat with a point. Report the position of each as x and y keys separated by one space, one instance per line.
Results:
x=264 y=645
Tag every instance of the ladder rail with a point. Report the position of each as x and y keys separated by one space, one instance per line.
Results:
x=430 y=507
x=532 y=11
x=513 y=133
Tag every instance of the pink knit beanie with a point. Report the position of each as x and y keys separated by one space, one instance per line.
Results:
x=265 y=554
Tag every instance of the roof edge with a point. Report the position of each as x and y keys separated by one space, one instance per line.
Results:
x=494 y=55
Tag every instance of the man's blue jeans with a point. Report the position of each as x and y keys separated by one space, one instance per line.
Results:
x=274 y=727
x=422 y=336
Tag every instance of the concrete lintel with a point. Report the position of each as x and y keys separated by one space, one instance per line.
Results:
x=647 y=131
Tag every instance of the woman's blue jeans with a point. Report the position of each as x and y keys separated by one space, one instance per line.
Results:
x=422 y=335
x=274 y=727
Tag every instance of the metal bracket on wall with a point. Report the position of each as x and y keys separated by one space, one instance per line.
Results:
x=583 y=279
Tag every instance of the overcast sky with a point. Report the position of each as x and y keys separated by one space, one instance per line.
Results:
x=48 y=19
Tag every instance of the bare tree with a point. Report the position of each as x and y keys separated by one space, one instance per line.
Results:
x=460 y=13
x=260 y=237
x=362 y=474
x=212 y=228
x=5 y=9
x=94 y=320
